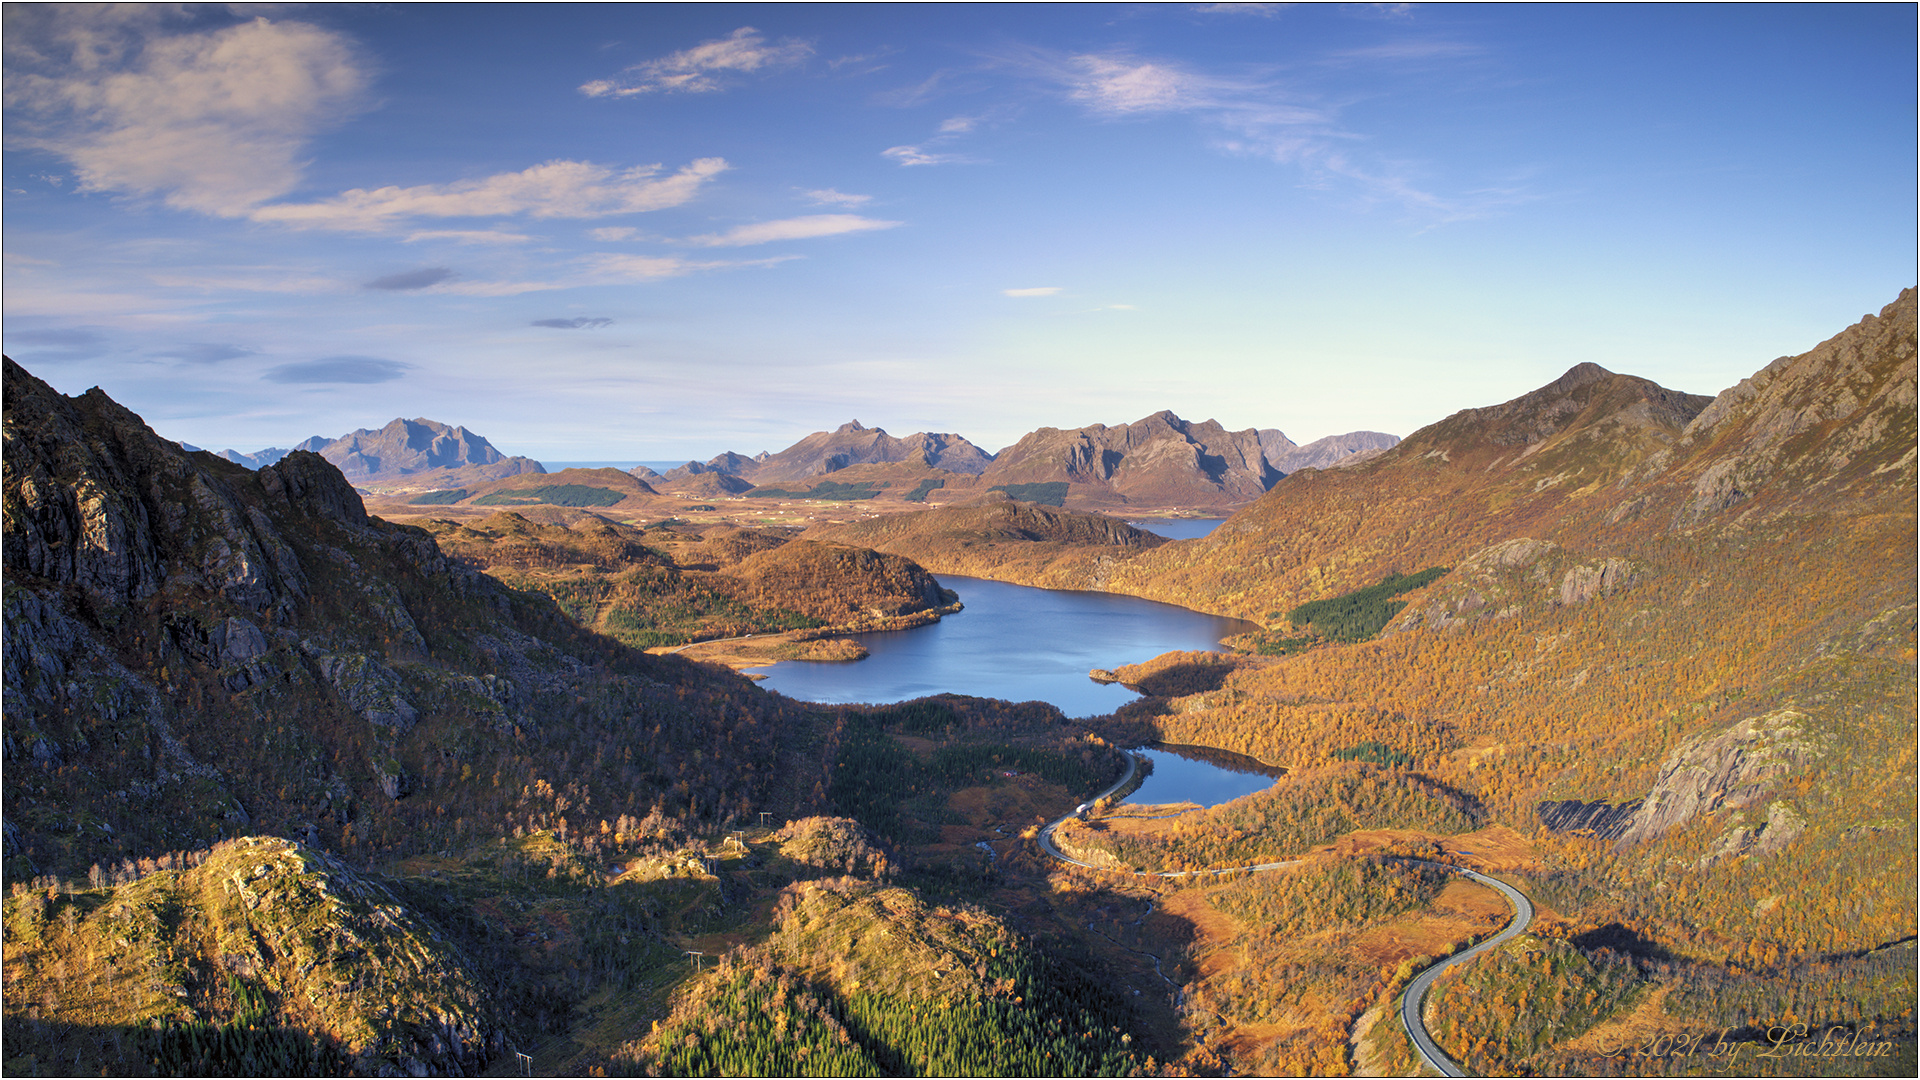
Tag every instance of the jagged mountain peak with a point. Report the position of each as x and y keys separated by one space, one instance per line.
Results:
x=405 y=448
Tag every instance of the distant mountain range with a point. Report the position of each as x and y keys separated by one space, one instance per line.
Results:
x=402 y=450
x=1159 y=460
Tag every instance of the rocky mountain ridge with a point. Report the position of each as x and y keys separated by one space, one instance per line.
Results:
x=418 y=453
x=1159 y=460
x=1351 y=448
x=851 y=443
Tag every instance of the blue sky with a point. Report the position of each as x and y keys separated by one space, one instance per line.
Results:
x=658 y=232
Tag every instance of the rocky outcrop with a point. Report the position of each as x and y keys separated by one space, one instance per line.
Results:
x=1855 y=392
x=1730 y=769
x=1588 y=580
x=1509 y=577
x=1782 y=826
x=369 y=688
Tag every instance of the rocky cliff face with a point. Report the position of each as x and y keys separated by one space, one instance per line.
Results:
x=1731 y=769
x=200 y=647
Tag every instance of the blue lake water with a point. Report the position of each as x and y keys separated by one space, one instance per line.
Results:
x=1178 y=528
x=1200 y=775
x=1011 y=642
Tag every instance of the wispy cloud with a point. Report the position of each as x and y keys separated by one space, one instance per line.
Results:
x=1258 y=115
x=556 y=189
x=914 y=155
x=699 y=69
x=214 y=121
x=467 y=236
x=606 y=269
x=613 y=233
x=1122 y=84
x=338 y=369
x=1265 y=11
x=1038 y=290
x=57 y=343
x=1411 y=49
x=580 y=322
x=410 y=280
x=205 y=352
x=800 y=228
x=830 y=197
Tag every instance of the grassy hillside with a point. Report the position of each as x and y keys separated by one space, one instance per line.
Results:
x=1696 y=617
x=669 y=586
x=1001 y=539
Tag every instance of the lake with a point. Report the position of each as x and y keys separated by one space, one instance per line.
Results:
x=1012 y=642
x=1200 y=774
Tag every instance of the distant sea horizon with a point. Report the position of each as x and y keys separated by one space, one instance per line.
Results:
x=656 y=466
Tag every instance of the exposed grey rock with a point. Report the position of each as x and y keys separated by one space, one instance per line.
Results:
x=1730 y=769
x=1588 y=580
x=1491 y=583
x=1844 y=387
x=369 y=688
x=307 y=478
x=1782 y=826
x=394 y=780
x=241 y=641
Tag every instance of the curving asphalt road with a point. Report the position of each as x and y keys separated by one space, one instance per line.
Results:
x=1413 y=1001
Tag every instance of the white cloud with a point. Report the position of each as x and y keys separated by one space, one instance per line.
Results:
x=1264 y=118
x=913 y=155
x=468 y=236
x=1265 y=11
x=693 y=70
x=556 y=189
x=213 y=121
x=607 y=269
x=800 y=228
x=1041 y=290
x=1410 y=50
x=613 y=233
x=830 y=197
x=959 y=125
x=1114 y=84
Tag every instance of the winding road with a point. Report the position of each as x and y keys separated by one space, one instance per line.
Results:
x=1413 y=1001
